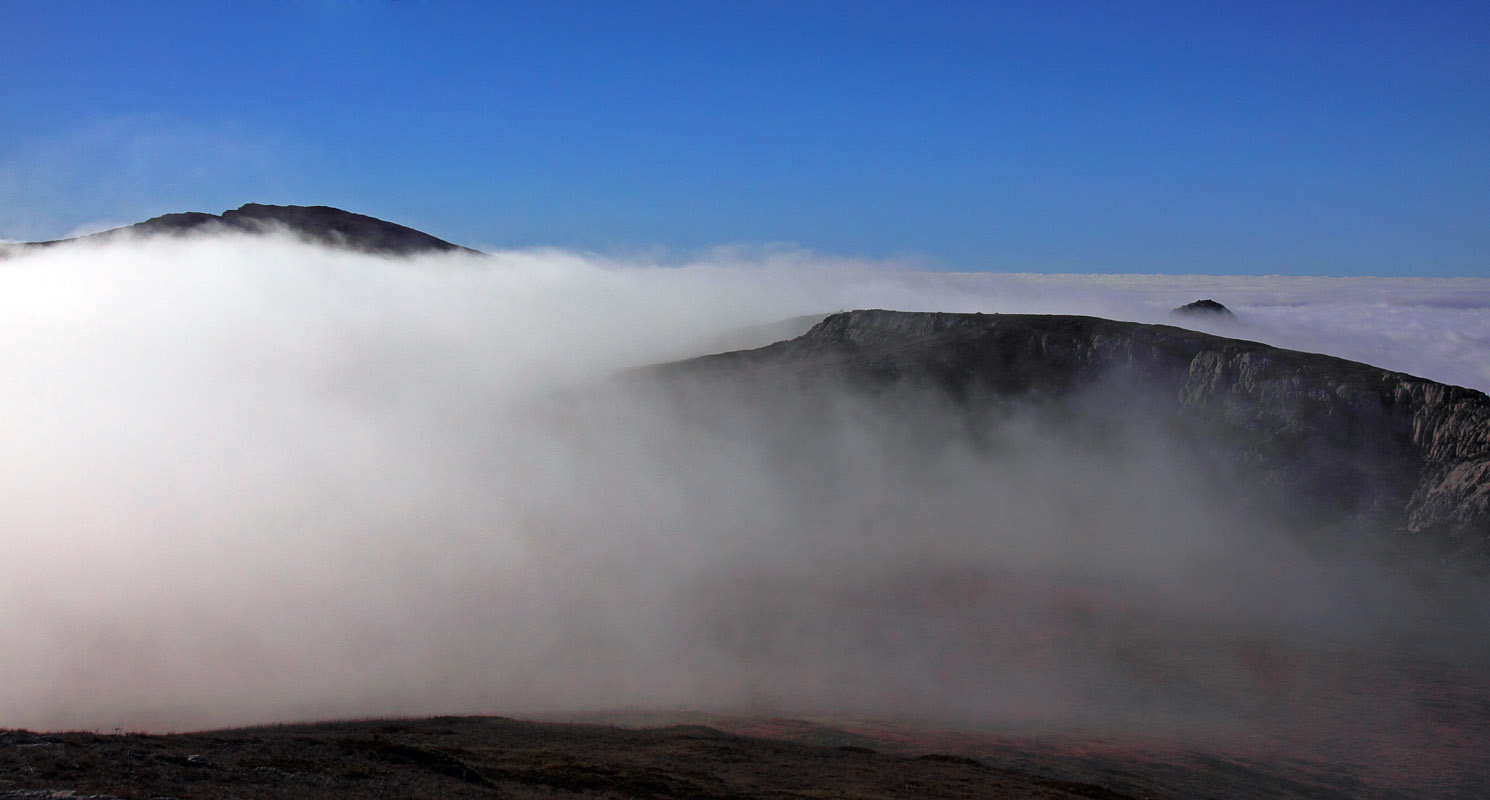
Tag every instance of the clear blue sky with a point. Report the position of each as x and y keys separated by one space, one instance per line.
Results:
x=1122 y=136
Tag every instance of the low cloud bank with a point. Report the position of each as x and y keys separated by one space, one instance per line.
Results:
x=249 y=480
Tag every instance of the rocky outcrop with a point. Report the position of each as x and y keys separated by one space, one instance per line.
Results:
x=1351 y=442
x=322 y=225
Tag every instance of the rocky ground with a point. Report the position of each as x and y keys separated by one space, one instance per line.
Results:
x=635 y=755
x=493 y=757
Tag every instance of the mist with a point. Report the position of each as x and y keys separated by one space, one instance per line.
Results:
x=250 y=480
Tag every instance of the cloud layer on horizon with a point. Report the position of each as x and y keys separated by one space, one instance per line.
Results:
x=251 y=480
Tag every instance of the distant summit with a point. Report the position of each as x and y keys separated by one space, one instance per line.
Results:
x=1204 y=308
x=318 y=224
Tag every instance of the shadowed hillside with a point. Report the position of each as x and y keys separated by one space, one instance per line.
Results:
x=1351 y=447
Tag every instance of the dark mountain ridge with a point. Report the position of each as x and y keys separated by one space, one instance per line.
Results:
x=1357 y=445
x=322 y=225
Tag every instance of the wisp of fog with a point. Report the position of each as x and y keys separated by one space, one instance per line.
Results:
x=246 y=480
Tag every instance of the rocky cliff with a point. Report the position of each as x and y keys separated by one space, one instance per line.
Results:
x=1355 y=445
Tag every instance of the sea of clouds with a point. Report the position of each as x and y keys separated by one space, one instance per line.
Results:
x=249 y=480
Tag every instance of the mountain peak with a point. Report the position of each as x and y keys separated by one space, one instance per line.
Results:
x=323 y=225
x=1204 y=308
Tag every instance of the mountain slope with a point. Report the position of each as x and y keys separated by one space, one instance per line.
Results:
x=1357 y=446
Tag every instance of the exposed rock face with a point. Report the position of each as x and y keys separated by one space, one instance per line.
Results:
x=319 y=224
x=1356 y=443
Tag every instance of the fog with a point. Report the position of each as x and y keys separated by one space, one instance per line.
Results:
x=249 y=480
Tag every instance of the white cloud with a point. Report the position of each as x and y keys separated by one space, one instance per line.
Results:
x=251 y=480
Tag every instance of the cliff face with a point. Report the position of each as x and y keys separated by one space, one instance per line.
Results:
x=319 y=224
x=1352 y=443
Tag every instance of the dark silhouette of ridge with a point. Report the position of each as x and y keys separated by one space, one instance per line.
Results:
x=318 y=224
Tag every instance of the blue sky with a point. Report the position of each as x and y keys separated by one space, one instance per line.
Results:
x=1186 y=137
